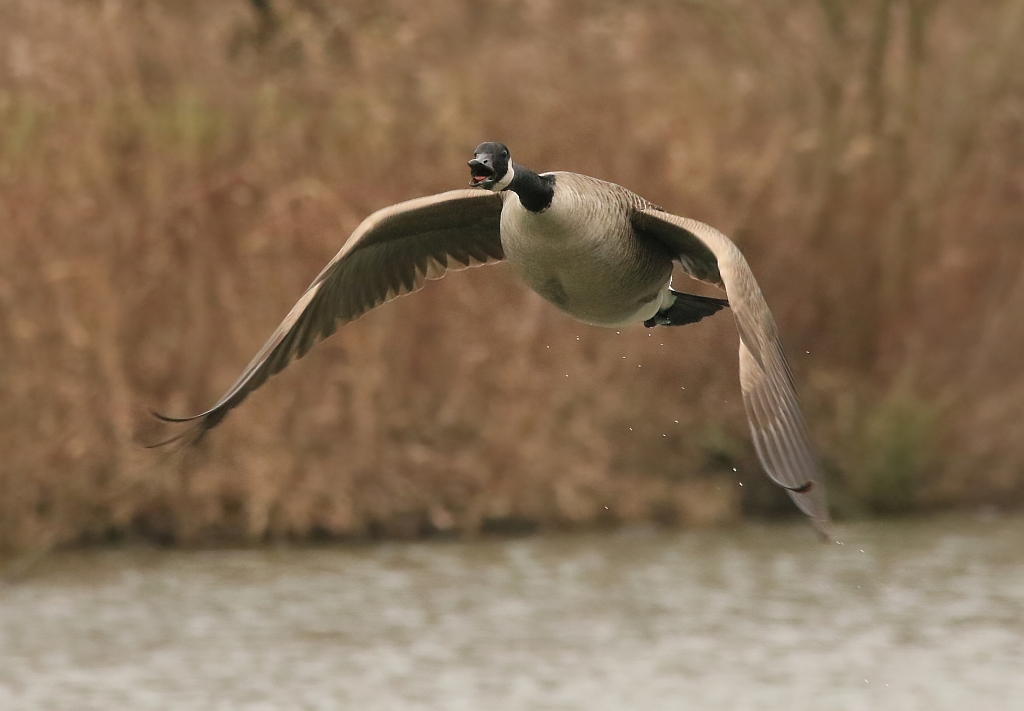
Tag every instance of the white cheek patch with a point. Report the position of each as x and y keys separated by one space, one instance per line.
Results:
x=504 y=182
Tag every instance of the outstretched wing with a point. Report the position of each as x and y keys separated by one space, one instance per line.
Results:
x=391 y=253
x=769 y=395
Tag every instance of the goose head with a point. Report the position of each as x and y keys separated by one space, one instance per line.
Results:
x=491 y=167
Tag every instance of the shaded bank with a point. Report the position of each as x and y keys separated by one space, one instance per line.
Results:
x=172 y=175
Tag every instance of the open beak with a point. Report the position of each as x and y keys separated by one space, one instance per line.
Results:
x=480 y=171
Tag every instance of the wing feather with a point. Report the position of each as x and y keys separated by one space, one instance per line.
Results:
x=769 y=396
x=391 y=253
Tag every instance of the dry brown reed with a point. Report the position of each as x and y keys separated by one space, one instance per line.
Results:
x=172 y=174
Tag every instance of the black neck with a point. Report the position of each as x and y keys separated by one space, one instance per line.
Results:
x=534 y=191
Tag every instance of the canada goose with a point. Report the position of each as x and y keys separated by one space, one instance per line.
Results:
x=596 y=250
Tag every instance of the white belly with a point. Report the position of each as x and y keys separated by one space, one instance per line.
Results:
x=589 y=266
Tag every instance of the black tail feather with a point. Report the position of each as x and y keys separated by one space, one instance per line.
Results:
x=688 y=308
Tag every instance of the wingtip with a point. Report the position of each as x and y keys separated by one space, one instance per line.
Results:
x=176 y=420
x=823 y=527
x=165 y=442
x=190 y=437
x=802 y=489
x=198 y=425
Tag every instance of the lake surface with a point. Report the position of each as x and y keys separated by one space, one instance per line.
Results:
x=924 y=614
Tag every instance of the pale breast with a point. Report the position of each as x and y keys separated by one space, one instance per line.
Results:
x=581 y=254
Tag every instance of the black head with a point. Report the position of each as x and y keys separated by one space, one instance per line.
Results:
x=491 y=167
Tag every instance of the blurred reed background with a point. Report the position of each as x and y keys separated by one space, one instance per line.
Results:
x=173 y=173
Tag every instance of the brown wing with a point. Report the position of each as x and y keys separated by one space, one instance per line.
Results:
x=769 y=395
x=391 y=253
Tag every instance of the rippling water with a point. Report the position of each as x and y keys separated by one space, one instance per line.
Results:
x=912 y=615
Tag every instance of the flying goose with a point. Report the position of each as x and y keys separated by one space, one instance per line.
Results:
x=597 y=251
